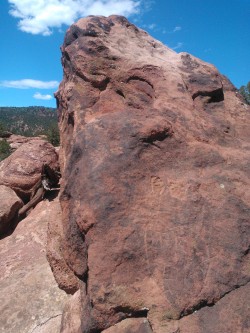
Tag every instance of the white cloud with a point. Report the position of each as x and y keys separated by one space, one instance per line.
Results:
x=178 y=46
x=40 y=16
x=152 y=26
x=29 y=83
x=178 y=28
x=37 y=95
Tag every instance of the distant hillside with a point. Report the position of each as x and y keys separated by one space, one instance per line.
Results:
x=28 y=121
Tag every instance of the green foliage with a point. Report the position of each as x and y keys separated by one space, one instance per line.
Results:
x=53 y=135
x=28 y=121
x=2 y=129
x=5 y=149
x=245 y=92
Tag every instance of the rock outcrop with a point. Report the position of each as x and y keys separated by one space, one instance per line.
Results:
x=16 y=141
x=10 y=204
x=30 y=300
x=22 y=169
x=155 y=190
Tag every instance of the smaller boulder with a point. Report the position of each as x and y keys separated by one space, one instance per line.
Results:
x=16 y=141
x=9 y=205
x=22 y=170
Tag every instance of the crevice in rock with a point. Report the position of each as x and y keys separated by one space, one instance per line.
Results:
x=205 y=303
x=119 y=92
x=71 y=120
x=45 y=322
x=101 y=85
x=96 y=330
x=85 y=277
x=138 y=78
x=215 y=96
x=130 y=312
x=246 y=252
x=159 y=135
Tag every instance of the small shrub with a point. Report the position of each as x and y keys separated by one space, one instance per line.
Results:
x=53 y=135
x=2 y=129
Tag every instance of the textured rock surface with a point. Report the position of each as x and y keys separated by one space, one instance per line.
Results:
x=72 y=313
x=22 y=169
x=16 y=141
x=10 y=203
x=64 y=276
x=156 y=167
x=30 y=300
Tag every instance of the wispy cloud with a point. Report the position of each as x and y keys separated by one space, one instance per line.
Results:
x=38 y=95
x=29 y=83
x=177 y=28
x=177 y=46
x=40 y=17
x=152 y=26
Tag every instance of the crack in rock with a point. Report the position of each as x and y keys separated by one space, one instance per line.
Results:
x=45 y=322
x=204 y=303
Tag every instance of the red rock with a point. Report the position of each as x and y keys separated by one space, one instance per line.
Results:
x=155 y=191
x=22 y=169
x=30 y=300
x=10 y=203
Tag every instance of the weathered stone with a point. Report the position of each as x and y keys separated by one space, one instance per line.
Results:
x=30 y=300
x=156 y=173
x=10 y=203
x=22 y=169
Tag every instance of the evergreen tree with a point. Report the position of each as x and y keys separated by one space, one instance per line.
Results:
x=5 y=149
x=245 y=92
x=53 y=135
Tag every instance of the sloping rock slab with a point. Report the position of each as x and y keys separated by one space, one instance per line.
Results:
x=10 y=203
x=30 y=299
x=22 y=169
x=156 y=176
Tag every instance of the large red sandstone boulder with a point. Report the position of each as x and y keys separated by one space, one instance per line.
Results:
x=156 y=181
x=22 y=169
x=10 y=203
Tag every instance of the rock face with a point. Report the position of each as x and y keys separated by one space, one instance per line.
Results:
x=155 y=192
x=22 y=169
x=30 y=300
x=10 y=203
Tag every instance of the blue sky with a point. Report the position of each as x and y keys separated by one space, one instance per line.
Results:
x=217 y=31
